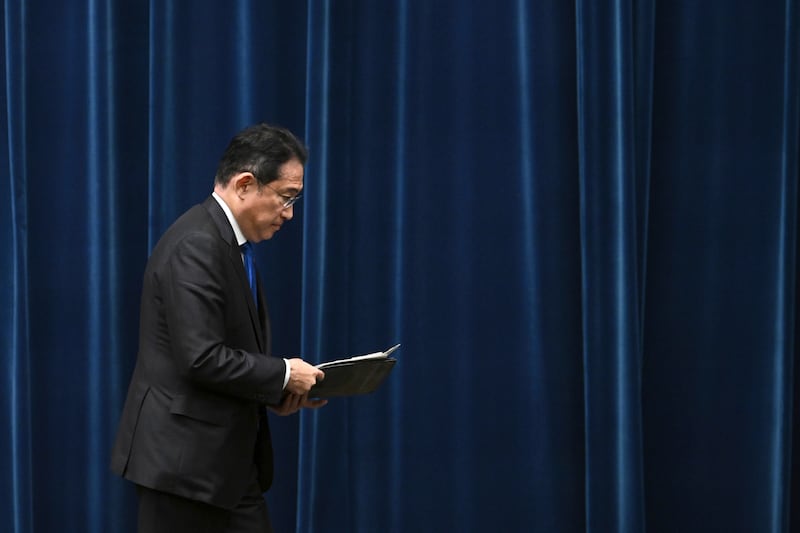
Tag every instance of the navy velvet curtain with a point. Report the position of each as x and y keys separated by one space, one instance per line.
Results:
x=579 y=219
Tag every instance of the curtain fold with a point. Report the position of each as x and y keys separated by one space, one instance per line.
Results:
x=785 y=493
x=608 y=72
x=16 y=487
x=579 y=219
x=314 y=236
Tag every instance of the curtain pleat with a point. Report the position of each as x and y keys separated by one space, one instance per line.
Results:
x=16 y=487
x=579 y=219
x=607 y=75
x=785 y=487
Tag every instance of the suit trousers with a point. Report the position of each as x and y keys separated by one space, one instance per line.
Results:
x=161 y=512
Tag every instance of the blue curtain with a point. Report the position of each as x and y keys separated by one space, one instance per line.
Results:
x=579 y=219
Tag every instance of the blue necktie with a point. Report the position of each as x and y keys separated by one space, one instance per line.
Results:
x=250 y=268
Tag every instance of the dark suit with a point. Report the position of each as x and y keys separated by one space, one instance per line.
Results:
x=194 y=421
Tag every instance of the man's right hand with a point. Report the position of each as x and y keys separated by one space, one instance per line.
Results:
x=302 y=376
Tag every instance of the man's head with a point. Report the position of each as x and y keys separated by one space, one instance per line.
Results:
x=260 y=177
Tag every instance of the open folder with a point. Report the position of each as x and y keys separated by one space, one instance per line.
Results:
x=360 y=374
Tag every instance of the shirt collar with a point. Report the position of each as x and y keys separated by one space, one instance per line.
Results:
x=240 y=239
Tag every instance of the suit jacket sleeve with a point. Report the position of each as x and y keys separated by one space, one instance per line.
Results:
x=213 y=337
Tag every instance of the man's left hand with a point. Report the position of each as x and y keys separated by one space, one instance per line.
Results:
x=294 y=402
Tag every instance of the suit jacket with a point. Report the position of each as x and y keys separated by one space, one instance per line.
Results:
x=194 y=419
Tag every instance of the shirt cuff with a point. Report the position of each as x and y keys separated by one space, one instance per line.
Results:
x=286 y=374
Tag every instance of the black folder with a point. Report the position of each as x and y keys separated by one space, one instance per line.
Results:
x=361 y=374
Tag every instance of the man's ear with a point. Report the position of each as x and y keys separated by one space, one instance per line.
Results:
x=243 y=184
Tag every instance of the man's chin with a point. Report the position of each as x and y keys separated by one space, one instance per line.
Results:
x=270 y=233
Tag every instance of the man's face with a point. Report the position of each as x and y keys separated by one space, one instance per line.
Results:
x=262 y=213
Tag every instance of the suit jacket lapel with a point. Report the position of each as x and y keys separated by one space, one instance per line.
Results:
x=226 y=233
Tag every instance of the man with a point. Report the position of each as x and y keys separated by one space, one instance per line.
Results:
x=193 y=435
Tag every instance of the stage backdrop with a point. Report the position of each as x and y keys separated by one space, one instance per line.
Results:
x=579 y=219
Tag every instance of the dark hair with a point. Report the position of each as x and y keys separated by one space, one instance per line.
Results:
x=261 y=149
